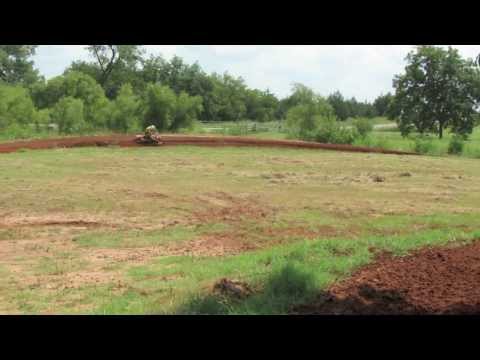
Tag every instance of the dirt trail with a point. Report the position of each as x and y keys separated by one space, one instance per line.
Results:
x=430 y=281
x=128 y=141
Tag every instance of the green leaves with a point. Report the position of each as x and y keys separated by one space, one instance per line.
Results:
x=68 y=113
x=124 y=113
x=16 y=106
x=159 y=106
x=15 y=66
x=438 y=90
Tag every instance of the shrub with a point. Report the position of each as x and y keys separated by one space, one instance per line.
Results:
x=15 y=131
x=124 y=110
x=303 y=120
x=68 y=115
x=455 y=147
x=16 y=106
x=423 y=144
x=363 y=126
x=159 y=107
x=187 y=109
x=331 y=132
x=79 y=86
x=42 y=119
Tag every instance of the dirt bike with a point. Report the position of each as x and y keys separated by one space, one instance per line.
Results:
x=148 y=140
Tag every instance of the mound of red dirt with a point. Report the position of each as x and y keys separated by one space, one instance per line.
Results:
x=129 y=140
x=429 y=281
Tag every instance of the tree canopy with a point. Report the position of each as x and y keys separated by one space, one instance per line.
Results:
x=438 y=90
x=16 y=66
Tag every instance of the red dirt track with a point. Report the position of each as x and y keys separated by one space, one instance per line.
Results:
x=427 y=282
x=128 y=141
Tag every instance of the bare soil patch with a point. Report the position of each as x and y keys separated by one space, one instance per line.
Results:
x=429 y=281
x=220 y=206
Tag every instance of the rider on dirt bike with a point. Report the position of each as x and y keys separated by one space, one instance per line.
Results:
x=151 y=132
x=151 y=136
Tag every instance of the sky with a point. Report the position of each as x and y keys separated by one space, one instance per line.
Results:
x=362 y=71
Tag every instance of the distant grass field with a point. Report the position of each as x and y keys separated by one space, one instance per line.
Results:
x=383 y=137
x=149 y=231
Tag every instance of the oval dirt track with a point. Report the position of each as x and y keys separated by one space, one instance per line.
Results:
x=129 y=141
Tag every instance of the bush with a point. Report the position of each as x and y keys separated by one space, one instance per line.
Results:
x=124 y=110
x=363 y=126
x=331 y=132
x=68 y=115
x=423 y=144
x=42 y=119
x=455 y=147
x=16 y=106
x=15 y=131
x=159 y=107
x=187 y=109
x=79 y=86
x=302 y=121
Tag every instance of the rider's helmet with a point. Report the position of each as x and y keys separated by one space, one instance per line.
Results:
x=151 y=130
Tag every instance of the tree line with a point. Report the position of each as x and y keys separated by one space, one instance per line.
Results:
x=122 y=89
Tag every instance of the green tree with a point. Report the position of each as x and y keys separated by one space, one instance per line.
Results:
x=159 y=107
x=187 y=109
x=339 y=105
x=68 y=115
x=113 y=66
x=439 y=90
x=304 y=119
x=260 y=105
x=16 y=106
x=79 y=86
x=382 y=104
x=124 y=114
x=16 y=66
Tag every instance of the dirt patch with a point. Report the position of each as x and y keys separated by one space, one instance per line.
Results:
x=232 y=288
x=51 y=220
x=129 y=141
x=220 y=206
x=429 y=281
x=212 y=245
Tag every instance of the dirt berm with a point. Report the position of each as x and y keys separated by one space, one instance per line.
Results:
x=129 y=141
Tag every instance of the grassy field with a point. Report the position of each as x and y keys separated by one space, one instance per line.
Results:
x=387 y=138
x=142 y=231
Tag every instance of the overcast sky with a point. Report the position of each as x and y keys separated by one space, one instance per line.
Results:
x=363 y=71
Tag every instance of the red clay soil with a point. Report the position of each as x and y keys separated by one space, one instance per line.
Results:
x=129 y=141
x=427 y=282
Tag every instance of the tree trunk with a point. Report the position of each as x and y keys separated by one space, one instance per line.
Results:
x=440 y=130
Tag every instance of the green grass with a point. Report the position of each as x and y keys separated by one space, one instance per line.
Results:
x=282 y=276
x=393 y=140
x=132 y=193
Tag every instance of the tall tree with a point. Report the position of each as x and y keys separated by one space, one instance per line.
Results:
x=382 y=104
x=339 y=105
x=16 y=66
x=116 y=65
x=438 y=90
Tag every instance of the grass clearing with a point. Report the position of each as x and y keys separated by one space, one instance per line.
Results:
x=89 y=230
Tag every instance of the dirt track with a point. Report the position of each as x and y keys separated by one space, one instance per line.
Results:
x=429 y=281
x=128 y=141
